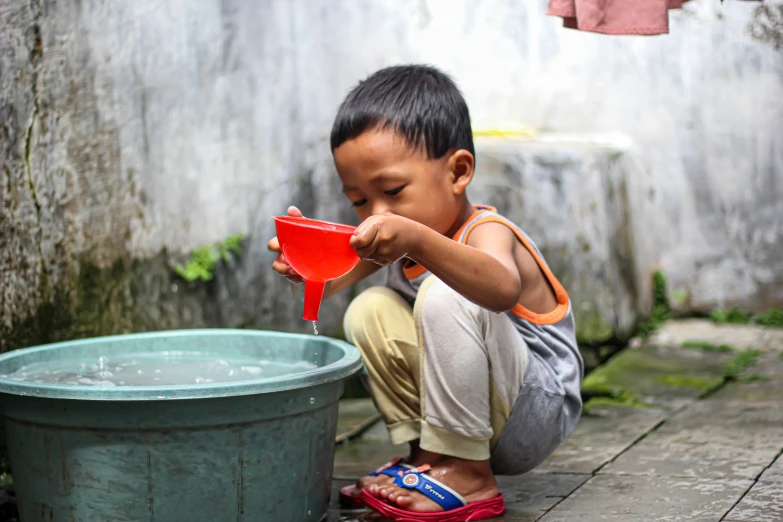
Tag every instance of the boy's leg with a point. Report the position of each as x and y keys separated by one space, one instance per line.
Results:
x=380 y=323
x=473 y=365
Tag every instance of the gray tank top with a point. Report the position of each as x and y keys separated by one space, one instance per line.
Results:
x=555 y=364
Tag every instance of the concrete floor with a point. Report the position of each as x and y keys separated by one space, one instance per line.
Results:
x=679 y=450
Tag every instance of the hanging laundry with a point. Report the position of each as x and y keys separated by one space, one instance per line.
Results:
x=628 y=17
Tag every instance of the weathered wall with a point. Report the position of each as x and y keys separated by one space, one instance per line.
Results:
x=133 y=132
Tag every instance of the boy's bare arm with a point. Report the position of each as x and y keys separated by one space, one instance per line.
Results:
x=484 y=271
x=360 y=271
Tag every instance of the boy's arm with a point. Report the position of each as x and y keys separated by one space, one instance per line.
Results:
x=483 y=271
x=359 y=272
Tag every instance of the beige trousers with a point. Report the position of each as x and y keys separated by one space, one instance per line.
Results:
x=446 y=372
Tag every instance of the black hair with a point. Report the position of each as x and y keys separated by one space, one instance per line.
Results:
x=419 y=102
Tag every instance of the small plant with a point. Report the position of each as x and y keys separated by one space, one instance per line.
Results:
x=232 y=244
x=201 y=265
x=732 y=316
x=660 y=311
x=707 y=347
x=772 y=317
x=742 y=361
x=679 y=296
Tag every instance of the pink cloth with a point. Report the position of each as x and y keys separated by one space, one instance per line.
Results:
x=615 y=16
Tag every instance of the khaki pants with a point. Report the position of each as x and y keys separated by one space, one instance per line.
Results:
x=446 y=372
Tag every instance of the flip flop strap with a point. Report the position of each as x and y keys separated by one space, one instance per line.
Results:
x=440 y=493
x=390 y=469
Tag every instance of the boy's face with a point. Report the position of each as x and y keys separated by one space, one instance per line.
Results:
x=382 y=174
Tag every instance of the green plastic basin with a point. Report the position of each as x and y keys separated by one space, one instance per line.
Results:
x=256 y=450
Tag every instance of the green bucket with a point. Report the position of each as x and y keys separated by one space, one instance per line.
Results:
x=255 y=450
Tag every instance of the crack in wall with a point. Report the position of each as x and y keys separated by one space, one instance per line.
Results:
x=36 y=54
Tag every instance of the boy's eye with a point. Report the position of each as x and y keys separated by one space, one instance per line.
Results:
x=358 y=203
x=394 y=192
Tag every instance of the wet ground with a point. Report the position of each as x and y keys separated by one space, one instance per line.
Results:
x=688 y=426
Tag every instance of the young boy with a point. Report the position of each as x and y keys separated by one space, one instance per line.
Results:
x=469 y=349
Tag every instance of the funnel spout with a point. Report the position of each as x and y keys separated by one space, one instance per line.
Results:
x=314 y=292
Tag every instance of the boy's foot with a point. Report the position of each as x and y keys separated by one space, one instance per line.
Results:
x=349 y=495
x=473 y=480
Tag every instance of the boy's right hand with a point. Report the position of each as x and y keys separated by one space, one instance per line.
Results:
x=280 y=264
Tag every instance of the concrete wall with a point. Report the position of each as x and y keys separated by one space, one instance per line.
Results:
x=134 y=132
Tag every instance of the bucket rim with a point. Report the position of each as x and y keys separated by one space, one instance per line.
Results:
x=348 y=363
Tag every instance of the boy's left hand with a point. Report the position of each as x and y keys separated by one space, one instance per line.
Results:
x=385 y=239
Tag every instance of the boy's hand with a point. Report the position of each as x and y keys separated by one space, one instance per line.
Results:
x=280 y=265
x=385 y=239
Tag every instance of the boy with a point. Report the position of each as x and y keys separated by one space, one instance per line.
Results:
x=469 y=349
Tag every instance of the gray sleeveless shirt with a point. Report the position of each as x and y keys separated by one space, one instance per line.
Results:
x=555 y=365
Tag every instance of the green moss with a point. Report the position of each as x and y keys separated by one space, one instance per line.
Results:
x=781 y=354
x=742 y=361
x=592 y=328
x=772 y=317
x=627 y=399
x=95 y=301
x=732 y=316
x=702 y=384
x=658 y=372
x=754 y=377
x=707 y=347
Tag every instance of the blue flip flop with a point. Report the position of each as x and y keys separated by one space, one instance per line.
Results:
x=455 y=507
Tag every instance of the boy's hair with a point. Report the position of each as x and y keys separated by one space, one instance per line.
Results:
x=419 y=102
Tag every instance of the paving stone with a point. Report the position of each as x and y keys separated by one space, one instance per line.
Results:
x=339 y=514
x=377 y=431
x=774 y=473
x=764 y=502
x=600 y=437
x=675 y=333
x=633 y=498
x=669 y=377
x=655 y=455
x=759 y=383
x=354 y=412
x=527 y=497
x=755 y=425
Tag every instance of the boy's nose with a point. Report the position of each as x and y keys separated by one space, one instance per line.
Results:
x=378 y=209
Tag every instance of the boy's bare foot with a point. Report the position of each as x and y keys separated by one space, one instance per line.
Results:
x=471 y=479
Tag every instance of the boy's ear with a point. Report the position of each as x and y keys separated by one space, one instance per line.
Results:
x=461 y=166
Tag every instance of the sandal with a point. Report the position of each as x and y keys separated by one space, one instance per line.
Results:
x=455 y=508
x=349 y=495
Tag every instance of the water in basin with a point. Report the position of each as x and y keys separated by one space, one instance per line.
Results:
x=156 y=369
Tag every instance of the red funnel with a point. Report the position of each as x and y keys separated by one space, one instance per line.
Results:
x=318 y=251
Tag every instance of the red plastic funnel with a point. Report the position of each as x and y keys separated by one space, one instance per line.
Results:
x=318 y=251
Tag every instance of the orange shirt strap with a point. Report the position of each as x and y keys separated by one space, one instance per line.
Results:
x=561 y=295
